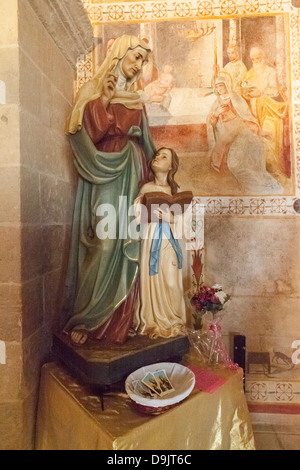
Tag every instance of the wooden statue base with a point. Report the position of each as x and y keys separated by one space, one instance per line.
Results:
x=102 y=366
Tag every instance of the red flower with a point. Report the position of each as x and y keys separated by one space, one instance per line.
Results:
x=206 y=299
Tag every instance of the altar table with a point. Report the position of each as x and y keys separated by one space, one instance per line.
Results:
x=71 y=418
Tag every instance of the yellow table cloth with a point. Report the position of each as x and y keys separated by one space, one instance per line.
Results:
x=71 y=418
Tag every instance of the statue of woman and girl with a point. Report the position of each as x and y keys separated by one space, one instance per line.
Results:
x=113 y=289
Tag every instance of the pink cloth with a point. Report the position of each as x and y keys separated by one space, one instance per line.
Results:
x=207 y=381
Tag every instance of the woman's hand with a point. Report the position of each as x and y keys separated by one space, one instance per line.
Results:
x=109 y=87
x=221 y=110
x=214 y=117
x=164 y=215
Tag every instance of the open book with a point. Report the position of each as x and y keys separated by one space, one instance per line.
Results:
x=178 y=203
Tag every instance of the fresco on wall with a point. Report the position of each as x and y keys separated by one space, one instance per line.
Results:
x=193 y=41
x=218 y=91
x=272 y=373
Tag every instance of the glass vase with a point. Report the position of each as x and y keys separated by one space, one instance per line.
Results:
x=208 y=344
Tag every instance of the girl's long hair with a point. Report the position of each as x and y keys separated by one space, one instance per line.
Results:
x=175 y=165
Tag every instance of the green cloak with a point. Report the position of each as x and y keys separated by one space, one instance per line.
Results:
x=101 y=272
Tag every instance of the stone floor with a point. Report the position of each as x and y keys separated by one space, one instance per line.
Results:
x=276 y=432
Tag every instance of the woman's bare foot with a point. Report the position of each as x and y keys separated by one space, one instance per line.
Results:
x=79 y=337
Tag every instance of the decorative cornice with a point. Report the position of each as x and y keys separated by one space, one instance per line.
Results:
x=68 y=24
x=123 y=11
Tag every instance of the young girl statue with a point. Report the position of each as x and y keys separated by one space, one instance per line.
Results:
x=162 y=310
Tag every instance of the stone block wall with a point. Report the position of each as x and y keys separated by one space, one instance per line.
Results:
x=47 y=191
x=37 y=185
x=11 y=371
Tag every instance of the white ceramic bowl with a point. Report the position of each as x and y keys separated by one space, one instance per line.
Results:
x=182 y=379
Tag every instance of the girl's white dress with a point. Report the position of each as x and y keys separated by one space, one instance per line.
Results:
x=162 y=311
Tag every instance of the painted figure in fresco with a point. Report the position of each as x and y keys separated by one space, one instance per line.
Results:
x=235 y=68
x=236 y=144
x=158 y=91
x=162 y=311
x=261 y=89
x=111 y=143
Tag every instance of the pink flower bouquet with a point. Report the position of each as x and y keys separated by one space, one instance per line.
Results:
x=206 y=337
x=208 y=299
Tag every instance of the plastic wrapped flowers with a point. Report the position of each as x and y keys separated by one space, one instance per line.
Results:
x=206 y=336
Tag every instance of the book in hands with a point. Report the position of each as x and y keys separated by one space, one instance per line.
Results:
x=177 y=203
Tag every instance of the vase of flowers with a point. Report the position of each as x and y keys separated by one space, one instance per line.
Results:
x=206 y=335
x=208 y=299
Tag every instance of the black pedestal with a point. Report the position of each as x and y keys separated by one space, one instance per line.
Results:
x=103 y=366
x=240 y=351
x=239 y=355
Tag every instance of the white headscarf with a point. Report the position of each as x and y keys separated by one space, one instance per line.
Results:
x=93 y=89
x=239 y=104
